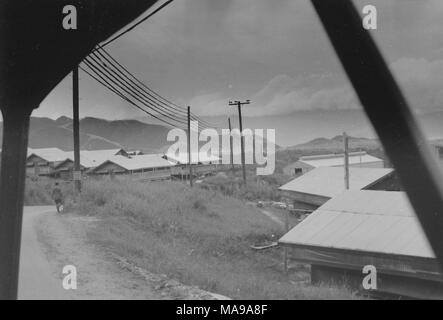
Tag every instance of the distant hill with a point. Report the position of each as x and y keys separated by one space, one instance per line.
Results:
x=301 y=126
x=336 y=143
x=96 y=134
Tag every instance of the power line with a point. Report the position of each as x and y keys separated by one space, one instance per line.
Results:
x=167 y=104
x=102 y=80
x=136 y=88
x=128 y=88
x=102 y=73
x=139 y=89
x=178 y=108
x=151 y=93
x=110 y=87
x=122 y=90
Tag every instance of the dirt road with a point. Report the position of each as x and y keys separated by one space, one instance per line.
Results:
x=37 y=280
x=51 y=241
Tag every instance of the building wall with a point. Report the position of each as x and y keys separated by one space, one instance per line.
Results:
x=44 y=167
x=65 y=175
x=33 y=158
x=400 y=275
x=65 y=171
x=159 y=173
x=297 y=169
x=390 y=183
x=387 y=284
x=68 y=166
x=110 y=167
x=153 y=175
x=200 y=169
x=309 y=200
x=302 y=208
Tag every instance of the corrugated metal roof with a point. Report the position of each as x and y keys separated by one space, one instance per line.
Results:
x=49 y=154
x=88 y=158
x=366 y=220
x=329 y=181
x=145 y=161
x=84 y=162
x=95 y=154
x=331 y=160
x=92 y=158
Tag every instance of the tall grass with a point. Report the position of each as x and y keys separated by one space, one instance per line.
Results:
x=199 y=237
x=38 y=191
x=257 y=188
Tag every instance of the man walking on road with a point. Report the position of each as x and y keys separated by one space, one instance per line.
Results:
x=57 y=196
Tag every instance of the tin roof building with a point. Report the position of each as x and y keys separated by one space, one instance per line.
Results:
x=321 y=184
x=59 y=163
x=149 y=166
x=48 y=154
x=356 y=159
x=196 y=158
x=359 y=228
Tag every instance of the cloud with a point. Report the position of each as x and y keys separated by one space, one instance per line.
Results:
x=282 y=95
x=205 y=52
x=421 y=81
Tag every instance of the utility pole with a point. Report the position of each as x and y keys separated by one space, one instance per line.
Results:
x=231 y=141
x=189 y=146
x=346 y=155
x=76 y=174
x=239 y=104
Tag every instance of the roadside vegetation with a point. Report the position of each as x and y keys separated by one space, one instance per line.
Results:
x=196 y=236
x=38 y=191
x=258 y=187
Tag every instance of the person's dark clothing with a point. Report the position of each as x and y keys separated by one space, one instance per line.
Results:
x=57 y=196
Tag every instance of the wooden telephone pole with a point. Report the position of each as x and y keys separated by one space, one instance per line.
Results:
x=189 y=146
x=239 y=104
x=76 y=174
x=346 y=155
x=231 y=141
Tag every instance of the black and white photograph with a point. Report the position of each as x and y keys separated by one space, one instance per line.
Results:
x=221 y=154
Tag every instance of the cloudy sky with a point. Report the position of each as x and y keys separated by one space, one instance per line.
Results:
x=204 y=52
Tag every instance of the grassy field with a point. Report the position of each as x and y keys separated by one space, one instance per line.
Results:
x=198 y=237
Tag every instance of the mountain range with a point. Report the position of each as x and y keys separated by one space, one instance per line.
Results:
x=96 y=134
x=291 y=131
x=337 y=143
x=302 y=126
